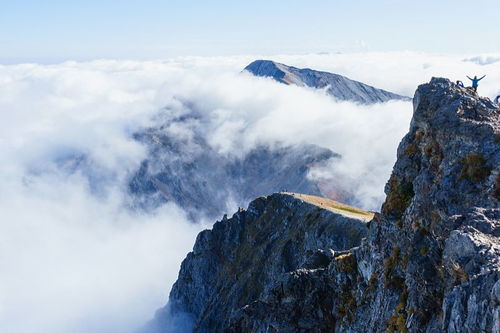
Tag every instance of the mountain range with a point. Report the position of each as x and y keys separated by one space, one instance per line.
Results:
x=204 y=181
x=338 y=86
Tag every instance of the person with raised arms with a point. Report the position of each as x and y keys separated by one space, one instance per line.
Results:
x=475 y=82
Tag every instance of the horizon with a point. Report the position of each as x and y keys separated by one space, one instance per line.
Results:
x=482 y=58
x=56 y=31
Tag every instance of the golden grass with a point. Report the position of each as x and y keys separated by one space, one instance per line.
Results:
x=334 y=206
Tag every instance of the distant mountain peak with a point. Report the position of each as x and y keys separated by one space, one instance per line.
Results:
x=338 y=86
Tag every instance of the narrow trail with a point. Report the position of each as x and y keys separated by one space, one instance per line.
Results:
x=334 y=206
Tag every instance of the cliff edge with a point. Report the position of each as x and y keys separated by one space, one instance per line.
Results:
x=429 y=262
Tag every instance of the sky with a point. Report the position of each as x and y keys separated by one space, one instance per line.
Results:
x=54 y=31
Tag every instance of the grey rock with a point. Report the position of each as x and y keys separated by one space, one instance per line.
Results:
x=429 y=262
x=241 y=258
x=338 y=86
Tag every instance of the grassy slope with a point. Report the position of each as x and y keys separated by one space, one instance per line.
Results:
x=334 y=206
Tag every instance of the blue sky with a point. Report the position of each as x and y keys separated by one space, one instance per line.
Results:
x=52 y=31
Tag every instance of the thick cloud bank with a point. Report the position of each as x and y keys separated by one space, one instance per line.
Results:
x=73 y=257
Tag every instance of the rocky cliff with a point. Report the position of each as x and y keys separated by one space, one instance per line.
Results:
x=338 y=86
x=429 y=262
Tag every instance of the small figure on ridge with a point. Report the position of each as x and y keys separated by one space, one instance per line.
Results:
x=475 y=82
x=460 y=84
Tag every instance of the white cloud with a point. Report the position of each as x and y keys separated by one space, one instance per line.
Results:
x=484 y=60
x=72 y=262
x=72 y=258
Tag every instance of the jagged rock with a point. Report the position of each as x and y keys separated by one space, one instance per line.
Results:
x=338 y=86
x=242 y=257
x=430 y=261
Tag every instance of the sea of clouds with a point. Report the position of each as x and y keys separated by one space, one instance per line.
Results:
x=74 y=257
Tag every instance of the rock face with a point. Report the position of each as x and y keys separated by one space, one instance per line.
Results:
x=430 y=261
x=339 y=86
x=243 y=257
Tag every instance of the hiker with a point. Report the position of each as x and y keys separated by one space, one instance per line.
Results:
x=475 y=82
x=460 y=84
x=497 y=99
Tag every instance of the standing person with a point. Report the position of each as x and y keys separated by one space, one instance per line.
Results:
x=475 y=81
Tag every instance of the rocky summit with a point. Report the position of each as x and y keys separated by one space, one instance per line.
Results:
x=428 y=262
x=338 y=86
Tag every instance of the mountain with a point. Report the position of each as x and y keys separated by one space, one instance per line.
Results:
x=338 y=86
x=241 y=257
x=428 y=262
x=207 y=183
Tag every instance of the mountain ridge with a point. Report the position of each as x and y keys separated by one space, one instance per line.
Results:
x=338 y=86
x=211 y=280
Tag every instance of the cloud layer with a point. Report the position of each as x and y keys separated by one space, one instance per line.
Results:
x=73 y=257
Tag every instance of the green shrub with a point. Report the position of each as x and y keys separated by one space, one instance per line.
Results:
x=434 y=153
x=372 y=283
x=398 y=198
x=474 y=168
x=347 y=306
x=419 y=134
x=406 y=192
x=391 y=280
x=412 y=149
x=496 y=189
x=347 y=263
x=397 y=321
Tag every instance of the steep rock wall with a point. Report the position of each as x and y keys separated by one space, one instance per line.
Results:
x=430 y=261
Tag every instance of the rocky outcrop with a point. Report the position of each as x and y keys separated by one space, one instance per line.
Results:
x=338 y=86
x=430 y=261
x=241 y=258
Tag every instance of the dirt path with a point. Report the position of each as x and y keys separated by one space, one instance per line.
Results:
x=334 y=206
